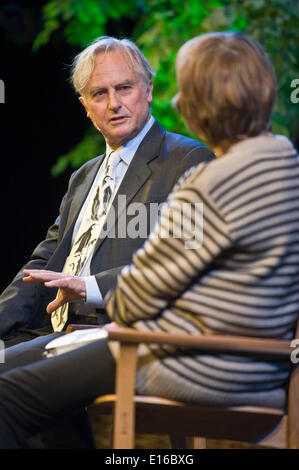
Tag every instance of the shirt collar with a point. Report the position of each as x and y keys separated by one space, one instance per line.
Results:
x=127 y=151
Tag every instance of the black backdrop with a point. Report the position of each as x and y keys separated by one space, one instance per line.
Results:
x=40 y=120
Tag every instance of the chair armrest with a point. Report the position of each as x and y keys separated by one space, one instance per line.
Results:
x=226 y=344
x=254 y=347
x=74 y=327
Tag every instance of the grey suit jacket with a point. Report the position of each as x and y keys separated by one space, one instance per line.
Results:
x=158 y=163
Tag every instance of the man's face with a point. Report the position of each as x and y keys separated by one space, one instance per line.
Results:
x=116 y=99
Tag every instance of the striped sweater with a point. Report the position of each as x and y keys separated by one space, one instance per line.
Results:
x=239 y=275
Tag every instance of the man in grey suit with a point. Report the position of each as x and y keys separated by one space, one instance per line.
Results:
x=114 y=82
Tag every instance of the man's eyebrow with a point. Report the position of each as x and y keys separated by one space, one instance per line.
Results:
x=118 y=85
x=94 y=89
x=125 y=82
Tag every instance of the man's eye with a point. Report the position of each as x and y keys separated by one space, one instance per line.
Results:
x=97 y=93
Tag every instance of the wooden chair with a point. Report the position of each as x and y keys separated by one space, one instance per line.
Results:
x=182 y=421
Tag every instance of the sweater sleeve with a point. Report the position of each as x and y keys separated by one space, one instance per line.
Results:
x=190 y=234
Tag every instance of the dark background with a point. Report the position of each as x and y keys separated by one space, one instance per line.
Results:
x=40 y=120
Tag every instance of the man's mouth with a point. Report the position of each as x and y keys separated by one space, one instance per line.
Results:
x=118 y=119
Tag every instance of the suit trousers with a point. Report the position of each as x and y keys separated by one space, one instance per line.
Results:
x=37 y=393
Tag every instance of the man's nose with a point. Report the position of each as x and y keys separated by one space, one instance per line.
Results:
x=114 y=102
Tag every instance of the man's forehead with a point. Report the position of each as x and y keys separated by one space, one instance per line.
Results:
x=114 y=66
x=113 y=57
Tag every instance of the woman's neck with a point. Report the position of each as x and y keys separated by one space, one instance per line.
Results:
x=223 y=147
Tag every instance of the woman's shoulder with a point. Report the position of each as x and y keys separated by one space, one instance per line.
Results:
x=205 y=175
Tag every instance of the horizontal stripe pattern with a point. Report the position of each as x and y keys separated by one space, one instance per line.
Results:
x=242 y=277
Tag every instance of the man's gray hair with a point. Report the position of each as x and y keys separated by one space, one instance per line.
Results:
x=83 y=63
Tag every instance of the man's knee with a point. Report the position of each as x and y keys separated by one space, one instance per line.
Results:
x=25 y=353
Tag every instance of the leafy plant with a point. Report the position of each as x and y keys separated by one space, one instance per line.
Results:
x=160 y=27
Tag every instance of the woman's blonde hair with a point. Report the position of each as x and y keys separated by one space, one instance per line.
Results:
x=227 y=87
x=83 y=63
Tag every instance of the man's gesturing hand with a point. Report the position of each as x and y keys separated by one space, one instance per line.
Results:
x=70 y=287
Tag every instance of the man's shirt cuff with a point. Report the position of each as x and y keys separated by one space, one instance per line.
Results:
x=94 y=297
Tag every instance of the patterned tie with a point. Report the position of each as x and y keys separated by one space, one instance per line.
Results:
x=88 y=233
x=109 y=181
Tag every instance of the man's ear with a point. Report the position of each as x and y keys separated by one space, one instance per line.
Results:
x=83 y=102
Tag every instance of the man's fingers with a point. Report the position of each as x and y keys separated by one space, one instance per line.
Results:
x=110 y=326
x=56 y=303
x=42 y=275
x=61 y=283
x=71 y=287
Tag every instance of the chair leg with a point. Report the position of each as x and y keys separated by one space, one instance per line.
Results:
x=196 y=442
x=177 y=442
